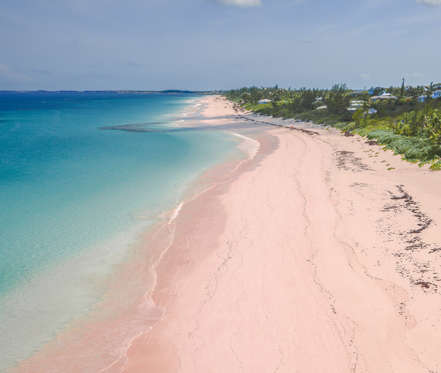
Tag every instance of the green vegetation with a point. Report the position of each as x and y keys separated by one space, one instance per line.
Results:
x=399 y=119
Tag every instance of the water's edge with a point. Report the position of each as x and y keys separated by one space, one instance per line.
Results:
x=108 y=282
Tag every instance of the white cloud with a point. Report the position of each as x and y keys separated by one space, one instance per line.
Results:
x=430 y=2
x=241 y=3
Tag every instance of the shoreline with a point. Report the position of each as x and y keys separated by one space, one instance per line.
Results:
x=320 y=253
x=149 y=248
x=201 y=205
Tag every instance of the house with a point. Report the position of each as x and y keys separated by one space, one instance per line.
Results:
x=318 y=100
x=422 y=98
x=436 y=94
x=384 y=96
x=264 y=101
x=319 y=103
x=355 y=105
x=372 y=111
x=323 y=107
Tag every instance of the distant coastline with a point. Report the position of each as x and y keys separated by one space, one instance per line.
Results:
x=116 y=91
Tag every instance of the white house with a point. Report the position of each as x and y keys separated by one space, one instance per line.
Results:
x=264 y=101
x=355 y=105
x=384 y=96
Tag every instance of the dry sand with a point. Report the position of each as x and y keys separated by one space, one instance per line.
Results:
x=319 y=254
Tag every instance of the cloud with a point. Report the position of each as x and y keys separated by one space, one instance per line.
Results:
x=430 y=2
x=241 y=3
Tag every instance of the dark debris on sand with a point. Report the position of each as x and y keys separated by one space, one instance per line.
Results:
x=413 y=261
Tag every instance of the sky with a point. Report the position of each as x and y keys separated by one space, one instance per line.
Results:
x=217 y=44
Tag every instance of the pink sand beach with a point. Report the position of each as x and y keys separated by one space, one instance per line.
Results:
x=318 y=253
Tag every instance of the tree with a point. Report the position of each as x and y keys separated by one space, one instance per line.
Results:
x=403 y=88
x=337 y=100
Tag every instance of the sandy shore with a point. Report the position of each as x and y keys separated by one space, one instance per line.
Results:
x=320 y=253
x=319 y=257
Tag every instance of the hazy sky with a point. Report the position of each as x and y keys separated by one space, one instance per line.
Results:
x=217 y=44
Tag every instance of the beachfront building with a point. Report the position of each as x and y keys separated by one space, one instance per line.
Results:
x=383 y=97
x=264 y=101
x=356 y=105
x=319 y=104
x=436 y=94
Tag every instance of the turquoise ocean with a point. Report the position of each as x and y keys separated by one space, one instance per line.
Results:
x=74 y=196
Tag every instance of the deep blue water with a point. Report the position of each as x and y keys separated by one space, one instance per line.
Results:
x=67 y=187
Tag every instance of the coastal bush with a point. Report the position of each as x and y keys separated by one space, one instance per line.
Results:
x=412 y=148
x=432 y=124
x=436 y=166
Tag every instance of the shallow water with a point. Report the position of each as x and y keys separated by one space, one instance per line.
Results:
x=73 y=197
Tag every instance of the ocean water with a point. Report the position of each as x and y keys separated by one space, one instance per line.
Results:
x=73 y=197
